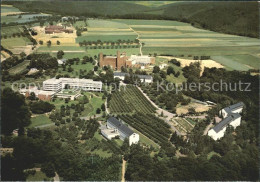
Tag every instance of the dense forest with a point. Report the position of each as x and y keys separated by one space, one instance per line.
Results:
x=239 y=18
x=235 y=155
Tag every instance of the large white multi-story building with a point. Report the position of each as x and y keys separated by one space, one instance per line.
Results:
x=73 y=83
x=52 y=85
x=230 y=116
x=117 y=128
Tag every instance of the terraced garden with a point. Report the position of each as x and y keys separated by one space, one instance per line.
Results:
x=183 y=125
x=130 y=100
x=149 y=125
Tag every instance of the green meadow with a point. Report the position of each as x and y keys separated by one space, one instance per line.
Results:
x=40 y=120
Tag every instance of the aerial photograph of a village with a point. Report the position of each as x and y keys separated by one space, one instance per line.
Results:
x=129 y=90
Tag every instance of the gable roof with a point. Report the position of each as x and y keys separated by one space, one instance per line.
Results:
x=226 y=121
x=120 y=126
x=234 y=106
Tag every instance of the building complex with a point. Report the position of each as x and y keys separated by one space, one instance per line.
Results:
x=143 y=78
x=122 y=60
x=117 y=128
x=41 y=94
x=51 y=29
x=231 y=116
x=57 y=87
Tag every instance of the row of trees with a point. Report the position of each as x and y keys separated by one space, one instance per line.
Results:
x=113 y=47
x=109 y=42
x=149 y=125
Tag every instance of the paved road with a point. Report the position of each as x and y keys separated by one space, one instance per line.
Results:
x=197 y=117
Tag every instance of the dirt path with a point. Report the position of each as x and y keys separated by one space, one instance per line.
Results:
x=168 y=115
x=138 y=38
x=45 y=125
x=56 y=177
x=197 y=117
x=123 y=169
x=207 y=128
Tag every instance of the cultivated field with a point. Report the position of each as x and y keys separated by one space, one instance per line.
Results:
x=11 y=14
x=181 y=39
x=8 y=9
x=129 y=100
x=149 y=125
x=183 y=125
x=19 y=68
x=106 y=30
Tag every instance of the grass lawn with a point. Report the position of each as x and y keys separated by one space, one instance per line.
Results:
x=145 y=140
x=59 y=102
x=38 y=176
x=173 y=79
x=99 y=23
x=238 y=62
x=119 y=142
x=19 y=68
x=95 y=102
x=79 y=24
x=211 y=154
x=40 y=120
x=10 y=30
x=76 y=69
x=55 y=48
x=98 y=136
x=101 y=153
x=8 y=9
x=69 y=55
x=11 y=43
x=129 y=51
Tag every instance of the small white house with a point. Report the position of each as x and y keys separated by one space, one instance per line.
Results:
x=133 y=139
x=62 y=61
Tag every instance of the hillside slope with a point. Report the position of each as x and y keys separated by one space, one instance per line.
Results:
x=239 y=18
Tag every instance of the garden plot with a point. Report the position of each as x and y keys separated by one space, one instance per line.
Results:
x=183 y=125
